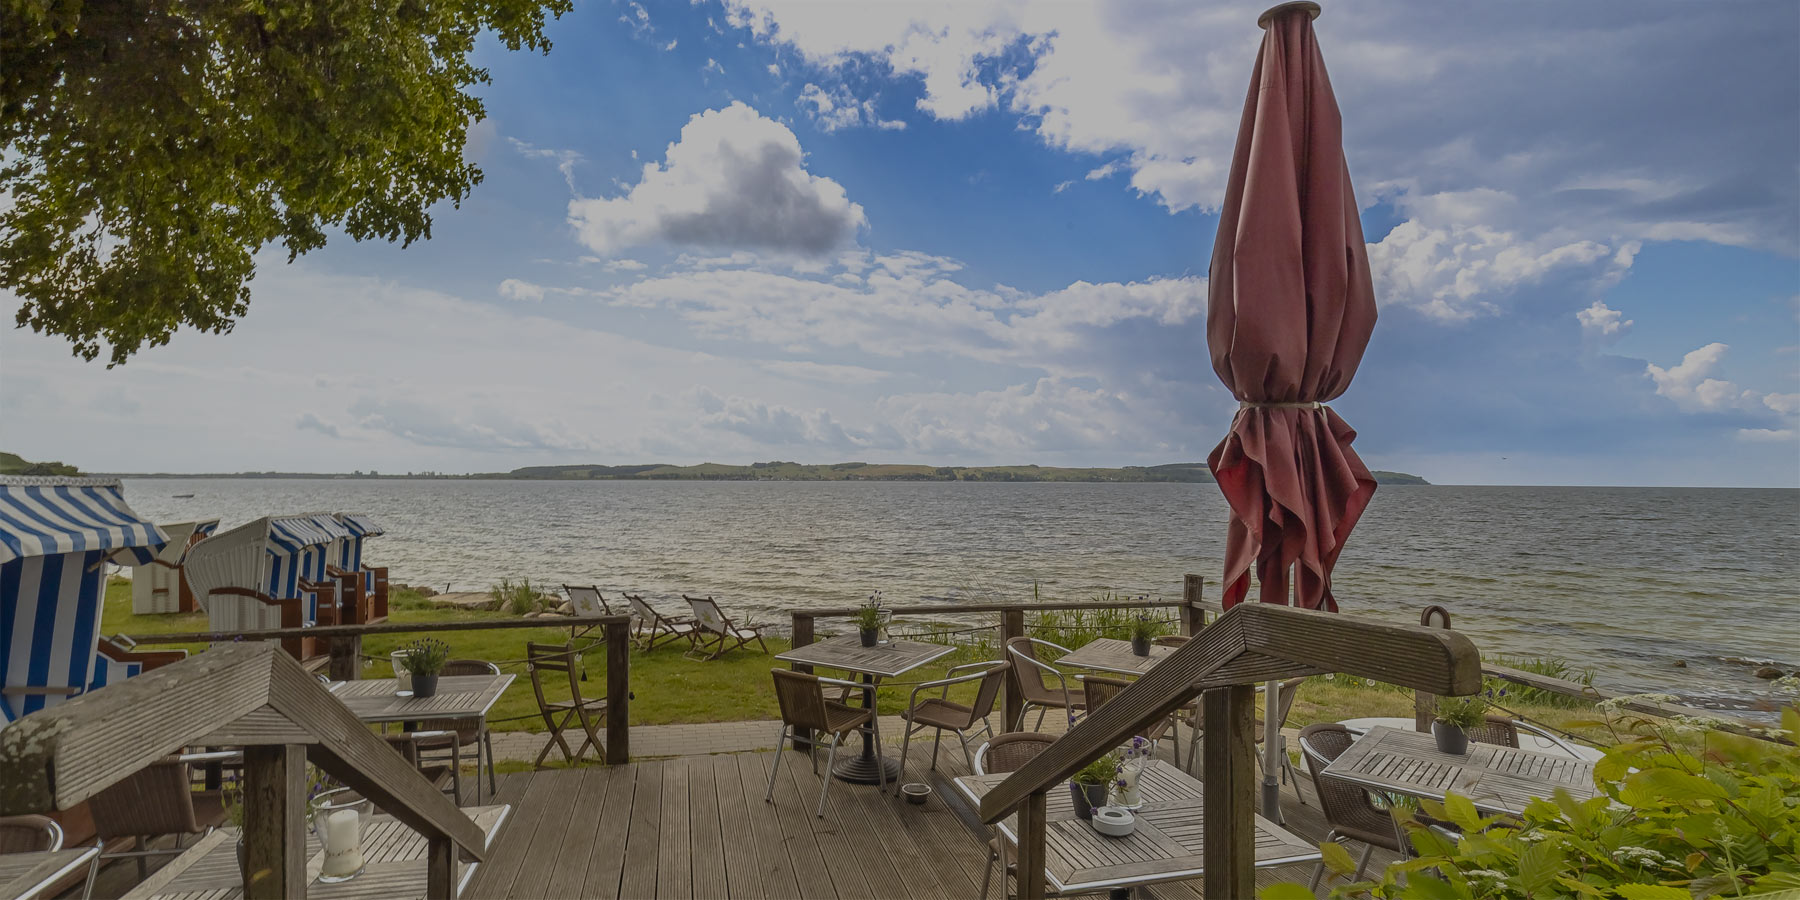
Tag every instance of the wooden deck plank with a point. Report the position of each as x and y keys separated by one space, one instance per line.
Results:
x=705 y=838
x=867 y=849
x=540 y=862
x=495 y=877
x=772 y=860
x=674 y=854
x=841 y=863
x=795 y=815
x=743 y=877
x=606 y=860
x=569 y=869
x=953 y=822
x=918 y=871
x=639 y=877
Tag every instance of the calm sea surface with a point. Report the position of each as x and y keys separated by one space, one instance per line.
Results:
x=1623 y=580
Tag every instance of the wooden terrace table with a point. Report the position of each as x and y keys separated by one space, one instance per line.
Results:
x=395 y=854
x=886 y=660
x=1167 y=845
x=1114 y=656
x=25 y=876
x=1496 y=779
x=457 y=697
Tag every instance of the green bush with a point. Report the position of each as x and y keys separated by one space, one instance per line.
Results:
x=520 y=597
x=1685 y=813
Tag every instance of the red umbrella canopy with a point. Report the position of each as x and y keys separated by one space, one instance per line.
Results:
x=1290 y=308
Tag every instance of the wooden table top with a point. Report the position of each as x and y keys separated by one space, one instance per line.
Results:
x=457 y=697
x=394 y=852
x=889 y=660
x=1167 y=845
x=1495 y=778
x=1115 y=656
x=23 y=875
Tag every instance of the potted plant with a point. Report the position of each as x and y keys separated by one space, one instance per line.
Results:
x=1144 y=629
x=868 y=619
x=424 y=660
x=1090 y=785
x=1455 y=716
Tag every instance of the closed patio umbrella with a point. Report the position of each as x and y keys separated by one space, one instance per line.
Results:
x=1290 y=308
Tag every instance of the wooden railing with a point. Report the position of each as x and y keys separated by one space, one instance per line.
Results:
x=251 y=696
x=345 y=662
x=1252 y=643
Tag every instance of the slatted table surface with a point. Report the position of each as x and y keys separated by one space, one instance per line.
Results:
x=457 y=697
x=1167 y=845
x=394 y=852
x=1495 y=778
x=24 y=875
x=846 y=653
x=1115 y=656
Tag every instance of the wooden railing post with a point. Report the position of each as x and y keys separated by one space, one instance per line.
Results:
x=1193 y=618
x=1425 y=702
x=618 y=692
x=440 y=868
x=1031 y=849
x=1012 y=625
x=1229 y=792
x=275 y=821
x=802 y=635
x=346 y=658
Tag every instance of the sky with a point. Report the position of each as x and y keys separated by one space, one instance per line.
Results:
x=978 y=233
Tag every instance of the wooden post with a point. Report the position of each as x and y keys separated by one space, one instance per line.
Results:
x=1031 y=849
x=802 y=635
x=346 y=658
x=275 y=821
x=1012 y=625
x=1425 y=702
x=618 y=693
x=1229 y=761
x=440 y=868
x=1193 y=618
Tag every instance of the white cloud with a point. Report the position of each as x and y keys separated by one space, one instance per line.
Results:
x=1459 y=271
x=625 y=265
x=1100 y=172
x=1785 y=404
x=735 y=179
x=774 y=70
x=1061 y=186
x=838 y=108
x=566 y=160
x=712 y=67
x=824 y=372
x=1767 y=435
x=672 y=44
x=1691 y=390
x=1601 y=322
x=514 y=289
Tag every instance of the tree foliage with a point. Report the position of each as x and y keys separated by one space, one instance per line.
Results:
x=151 y=148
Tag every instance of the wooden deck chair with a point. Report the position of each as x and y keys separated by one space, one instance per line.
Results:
x=717 y=634
x=655 y=628
x=586 y=602
x=547 y=660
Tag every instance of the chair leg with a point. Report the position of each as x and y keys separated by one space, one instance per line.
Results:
x=905 y=744
x=825 y=780
x=1319 y=870
x=880 y=760
x=1040 y=722
x=987 y=875
x=935 y=744
x=769 y=796
x=1361 y=864
x=143 y=862
x=487 y=738
x=968 y=759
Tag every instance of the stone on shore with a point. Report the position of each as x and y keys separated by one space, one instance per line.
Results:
x=1768 y=672
x=466 y=600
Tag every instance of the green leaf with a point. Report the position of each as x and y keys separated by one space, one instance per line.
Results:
x=1651 y=892
x=1425 y=887
x=1287 y=890
x=1337 y=859
x=1462 y=812
x=1539 y=864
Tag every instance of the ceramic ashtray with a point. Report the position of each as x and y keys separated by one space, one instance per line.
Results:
x=1113 y=821
x=916 y=791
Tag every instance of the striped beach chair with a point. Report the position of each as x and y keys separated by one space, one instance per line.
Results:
x=56 y=535
x=250 y=577
x=158 y=586
x=368 y=585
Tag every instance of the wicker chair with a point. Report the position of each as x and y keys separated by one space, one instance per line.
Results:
x=1348 y=808
x=446 y=776
x=158 y=800
x=1006 y=753
x=550 y=659
x=941 y=712
x=803 y=705
x=40 y=834
x=1100 y=689
x=1032 y=675
x=470 y=732
x=1504 y=732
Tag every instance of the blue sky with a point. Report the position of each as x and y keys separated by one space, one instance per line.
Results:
x=978 y=232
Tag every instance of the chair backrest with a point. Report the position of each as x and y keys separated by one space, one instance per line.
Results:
x=470 y=667
x=1100 y=690
x=1495 y=730
x=1284 y=702
x=989 y=689
x=549 y=659
x=1007 y=752
x=29 y=834
x=644 y=610
x=1030 y=671
x=157 y=799
x=708 y=614
x=802 y=699
x=587 y=600
x=1345 y=804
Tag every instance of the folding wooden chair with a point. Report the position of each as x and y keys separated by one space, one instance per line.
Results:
x=587 y=602
x=717 y=634
x=542 y=659
x=654 y=628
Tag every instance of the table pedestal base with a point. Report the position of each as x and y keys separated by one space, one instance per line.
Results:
x=861 y=769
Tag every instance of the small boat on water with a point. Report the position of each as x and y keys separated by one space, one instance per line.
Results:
x=183 y=496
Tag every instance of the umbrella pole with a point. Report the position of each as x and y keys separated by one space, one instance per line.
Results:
x=1271 y=764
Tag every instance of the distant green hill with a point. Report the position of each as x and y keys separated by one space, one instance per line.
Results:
x=14 y=464
x=1192 y=473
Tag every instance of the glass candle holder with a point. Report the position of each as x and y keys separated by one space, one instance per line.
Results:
x=398 y=658
x=338 y=818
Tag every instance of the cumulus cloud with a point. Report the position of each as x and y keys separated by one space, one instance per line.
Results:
x=625 y=265
x=1457 y=272
x=311 y=422
x=1689 y=387
x=734 y=179
x=514 y=289
x=1767 y=435
x=838 y=108
x=1601 y=322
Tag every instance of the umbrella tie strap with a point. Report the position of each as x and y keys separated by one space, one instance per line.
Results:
x=1298 y=404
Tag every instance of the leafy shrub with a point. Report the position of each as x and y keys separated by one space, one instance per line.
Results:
x=1100 y=771
x=1685 y=813
x=1462 y=712
x=520 y=597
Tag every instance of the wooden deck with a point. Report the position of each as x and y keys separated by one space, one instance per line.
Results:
x=697 y=827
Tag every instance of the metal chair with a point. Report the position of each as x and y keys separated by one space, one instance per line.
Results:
x=941 y=712
x=446 y=776
x=542 y=659
x=1030 y=674
x=803 y=705
x=1349 y=810
x=465 y=732
x=41 y=834
x=157 y=800
x=1100 y=689
x=1504 y=732
x=1006 y=753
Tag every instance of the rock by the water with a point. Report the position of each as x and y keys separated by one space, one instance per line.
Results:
x=1768 y=672
x=1681 y=664
x=426 y=592
x=566 y=608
